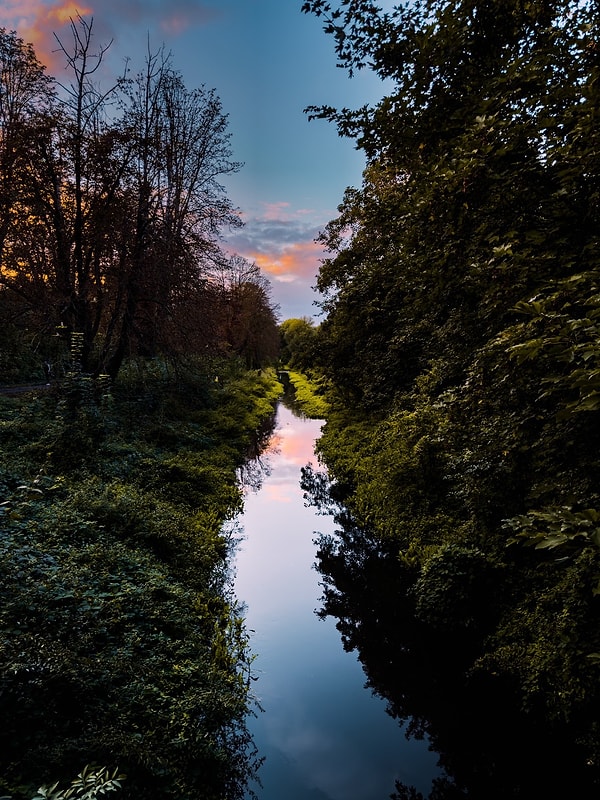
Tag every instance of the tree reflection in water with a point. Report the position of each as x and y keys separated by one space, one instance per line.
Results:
x=256 y=466
x=488 y=747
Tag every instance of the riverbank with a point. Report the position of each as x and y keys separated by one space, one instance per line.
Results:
x=118 y=641
x=476 y=641
x=305 y=394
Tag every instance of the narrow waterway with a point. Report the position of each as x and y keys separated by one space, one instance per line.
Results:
x=323 y=735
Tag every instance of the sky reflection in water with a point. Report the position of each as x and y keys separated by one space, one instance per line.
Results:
x=324 y=736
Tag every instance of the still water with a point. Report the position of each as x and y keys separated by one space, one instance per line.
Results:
x=323 y=735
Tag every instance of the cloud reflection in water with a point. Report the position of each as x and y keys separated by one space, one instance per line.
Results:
x=325 y=737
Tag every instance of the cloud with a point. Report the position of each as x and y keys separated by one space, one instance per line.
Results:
x=281 y=241
x=297 y=261
x=37 y=22
x=294 y=450
x=278 y=493
x=276 y=211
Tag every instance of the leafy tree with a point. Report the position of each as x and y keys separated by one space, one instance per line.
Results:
x=460 y=332
x=446 y=232
x=298 y=338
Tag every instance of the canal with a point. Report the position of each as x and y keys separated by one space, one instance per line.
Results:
x=322 y=734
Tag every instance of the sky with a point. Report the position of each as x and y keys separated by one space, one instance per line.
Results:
x=267 y=61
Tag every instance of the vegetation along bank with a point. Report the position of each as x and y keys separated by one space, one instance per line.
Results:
x=460 y=349
x=120 y=645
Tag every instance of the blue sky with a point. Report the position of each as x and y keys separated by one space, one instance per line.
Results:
x=267 y=62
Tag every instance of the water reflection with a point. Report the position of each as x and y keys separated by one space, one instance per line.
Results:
x=257 y=466
x=323 y=735
x=488 y=747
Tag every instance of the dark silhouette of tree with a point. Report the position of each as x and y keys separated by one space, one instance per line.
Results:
x=25 y=90
x=247 y=315
x=112 y=210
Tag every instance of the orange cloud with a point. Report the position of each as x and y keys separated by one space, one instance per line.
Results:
x=299 y=260
x=282 y=242
x=36 y=23
x=65 y=12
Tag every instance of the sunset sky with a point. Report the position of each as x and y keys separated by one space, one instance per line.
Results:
x=267 y=62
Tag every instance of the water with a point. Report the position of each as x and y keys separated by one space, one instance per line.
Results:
x=324 y=736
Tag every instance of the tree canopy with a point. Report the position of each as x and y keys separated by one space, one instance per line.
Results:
x=460 y=337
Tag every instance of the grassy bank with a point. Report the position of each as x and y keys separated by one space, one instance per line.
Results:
x=119 y=641
x=308 y=395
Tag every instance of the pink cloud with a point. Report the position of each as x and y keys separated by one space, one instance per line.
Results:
x=278 y=493
x=293 y=450
x=294 y=446
x=182 y=15
x=296 y=261
x=175 y=24
x=282 y=212
x=276 y=212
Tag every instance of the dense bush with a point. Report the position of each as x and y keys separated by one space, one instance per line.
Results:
x=119 y=641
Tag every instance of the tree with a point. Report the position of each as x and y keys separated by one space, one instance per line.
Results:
x=455 y=201
x=60 y=242
x=299 y=338
x=26 y=95
x=461 y=328
x=247 y=316
x=181 y=150
x=25 y=92
x=116 y=215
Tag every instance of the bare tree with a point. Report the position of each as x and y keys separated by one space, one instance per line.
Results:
x=182 y=149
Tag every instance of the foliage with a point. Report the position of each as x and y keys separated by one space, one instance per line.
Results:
x=298 y=341
x=87 y=785
x=119 y=639
x=298 y=354
x=308 y=395
x=460 y=341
